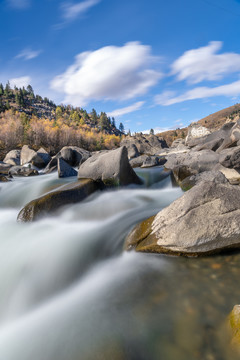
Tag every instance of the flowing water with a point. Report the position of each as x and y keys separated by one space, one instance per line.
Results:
x=68 y=291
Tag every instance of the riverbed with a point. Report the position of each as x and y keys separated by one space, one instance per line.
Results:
x=70 y=292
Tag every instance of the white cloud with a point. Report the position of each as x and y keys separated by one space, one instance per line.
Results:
x=28 y=54
x=71 y=11
x=109 y=73
x=20 y=82
x=204 y=64
x=19 y=4
x=126 y=110
x=201 y=92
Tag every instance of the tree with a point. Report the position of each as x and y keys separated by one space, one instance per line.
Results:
x=151 y=132
x=104 y=121
x=121 y=127
x=58 y=112
x=94 y=117
x=7 y=89
x=113 y=122
x=1 y=89
x=30 y=89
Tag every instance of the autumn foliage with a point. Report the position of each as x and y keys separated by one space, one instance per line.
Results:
x=18 y=129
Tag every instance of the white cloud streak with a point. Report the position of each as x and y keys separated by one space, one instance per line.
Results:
x=28 y=54
x=71 y=11
x=167 y=98
x=126 y=110
x=20 y=81
x=205 y=64
x=19 y=4
x=109 y=73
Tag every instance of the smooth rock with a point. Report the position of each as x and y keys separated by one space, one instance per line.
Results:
x=209 y=176
x=154 y=161
x=41 y=159
x=65 y=170
x=67 y=194
x=112 y=168
x=132 y=151
x=138 y=161
x=22 y=171
x=230 y=158
x=204 y=220
x=146 y=144
x=12 y=157
x=232 y=175
x=73 y=155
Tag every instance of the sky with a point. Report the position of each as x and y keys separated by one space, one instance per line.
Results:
x=151 y=64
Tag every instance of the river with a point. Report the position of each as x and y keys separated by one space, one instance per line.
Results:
x=70 y=292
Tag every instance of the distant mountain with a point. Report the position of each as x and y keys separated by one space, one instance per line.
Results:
x=213 y=122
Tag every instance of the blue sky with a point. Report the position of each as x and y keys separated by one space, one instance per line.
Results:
x=149 y=63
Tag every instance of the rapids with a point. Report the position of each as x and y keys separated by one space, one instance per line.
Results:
x=70 y=292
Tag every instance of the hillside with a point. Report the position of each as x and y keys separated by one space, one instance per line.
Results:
x=213 y=121
x=26 y=118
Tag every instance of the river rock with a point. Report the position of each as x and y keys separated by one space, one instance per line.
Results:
x=232 y=175
x=73 y=155
x=209 y=176
x=4 y=168
x=22 y=171
x=198 y=161
x=65 y=170
x=196 y=131
x=67 y=194
x=145 y=144
x=4 y=178
x=232 y=136
x=234 y=322
x=41 y=159
x=230 y=158
x=112 y=168
x=154 y=161
x=132 y=151
x=138 y=161
x=204 y=220
x=12 y=157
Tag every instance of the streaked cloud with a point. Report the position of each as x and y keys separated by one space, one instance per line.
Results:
x=71 y=11
x=19 y=4
x=20 y=81
x=109 y=73
x=28 y=54
x=127 y=110
x=202 y=92
x=205 y=64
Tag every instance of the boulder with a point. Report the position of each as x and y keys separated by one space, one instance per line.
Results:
x=27 y=155
x=41 y=159
x=4 y=168
x=196 y=132
x=198 y=161
x=153 y=161
x=232 y=136
x=145 y=144
x=209 y=176
x=12 y=157
x=132 y=151
x=182 y=172
x=138 y=161
x=178 y=143
x=65 y=170
x=232 y=175
x=204 y=220
x=112 y=168
x=22 y=171
x=67 y=194
x=73 y=155
x=230 y=158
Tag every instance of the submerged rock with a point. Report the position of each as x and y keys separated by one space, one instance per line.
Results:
x=234 y=322
x=204 y=220
x=52 y=201
x=112 y=168
x=22 y=171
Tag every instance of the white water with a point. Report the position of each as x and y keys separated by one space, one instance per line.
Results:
x=63 y=279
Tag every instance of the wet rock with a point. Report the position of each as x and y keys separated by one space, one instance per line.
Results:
x=67 y=194
x=12 y=157
x=204 y=220
x=4 y=178
x=22 y=171
x=112 y=168
x=65 y=170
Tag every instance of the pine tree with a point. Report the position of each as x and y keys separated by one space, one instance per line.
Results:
x=121 y=127
x=94 y=117
x=151 y=132
x=1 y=89
x=113 y=122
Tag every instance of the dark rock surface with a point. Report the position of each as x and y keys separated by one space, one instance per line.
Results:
x=22 y=171
x=52 y=201
x=65 y=170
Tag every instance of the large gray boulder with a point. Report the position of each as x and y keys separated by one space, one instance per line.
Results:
x=153 y=161
x=230 y=158
x=22 y=171
x=73 y=155
x=52 y=201
x=33 y=157
x=41 y=159
x=209 y=176
x=195 y=133
x=204 y=220
x=197 y=161
x=112 y=168
x=145 y=144
x=65 y=170
x=138 y=161
x=231 y=137
x=12 y=157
